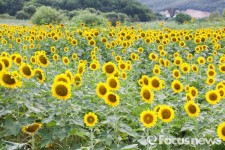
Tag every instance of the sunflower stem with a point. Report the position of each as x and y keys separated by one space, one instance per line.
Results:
x=92 y=139
x=33 y=142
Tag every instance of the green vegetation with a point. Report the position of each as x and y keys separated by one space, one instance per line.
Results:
x=181 y=18
x=134 y=9
x=47 y=15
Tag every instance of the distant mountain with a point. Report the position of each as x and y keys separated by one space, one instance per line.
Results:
x=203 y=5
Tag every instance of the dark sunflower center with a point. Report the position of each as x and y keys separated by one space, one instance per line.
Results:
x=223 y=68
x=26 y=70
x=211 y=73
x=1 y=66
x=122 y=66
x=43 y=59
x=193 y=92
x=62 y=79
x=112 y=98
x=210 y=80
x=18 y=60
x=6 y=62
x=61 y=90
x=177 y=86
x=90 y=119
x=93 y=66
x=145 y=80
x=156 y=71
x=39 y=75
x=213 y=97
x=148 y=118
x=223 y=131
x=166 y=114
x=146 y=94
x=102 y=90
x=192 y=109
x=81 y=69
x=185 y=69
x=178 y=62
x=155 y=83
x=176 y=74
x=113 y=83
x=32 y=128
x=66 y=61
x=8 y=79
x=109 y=69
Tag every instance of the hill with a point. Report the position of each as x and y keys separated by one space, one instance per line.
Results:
x=203 y=5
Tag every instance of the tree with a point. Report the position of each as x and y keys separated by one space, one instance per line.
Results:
x=181 y=18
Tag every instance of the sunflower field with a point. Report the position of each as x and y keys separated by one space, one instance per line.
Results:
x=113 y=87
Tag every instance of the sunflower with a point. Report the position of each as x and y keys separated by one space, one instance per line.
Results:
x=176 y=74
x=2 y=66
x=211 y=73
x=61 y=90
x=201 y=60
x=221 y=131
x=166 y=113
x=32 y=128
x=156 y=108
x=33 y=60
x=112 y=99
x=94 y=65
x=90 y=119
x=109 y=68
x=177 y=61
x=55 y=57
x=77 y=80
x=222 y=68
x=102 y=89
x=153 y=56
x=210 y=81
x=74 y=56
x=148 y=118
x=156 y=83
x=185 y=67
x=177 y=86
x=193 y=92
x=222 y=92
x=42 y=60
x=213 y=96
x=211 y=66
x=18 y=59
x=7 y=80
x=194 y=68
x=69 y=74
x=65 y=60
x=26 y=71
x=145 y=80
x=156 y=70
x=122 y=65
x=40 y=75
x=188 y=97
x=146 y=94
x=7 y=62
x=113 y=83
x=192 y=109
x=81 y=68
x=124 y=75
x=62 y=78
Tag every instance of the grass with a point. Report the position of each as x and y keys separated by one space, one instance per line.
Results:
x=15 y=22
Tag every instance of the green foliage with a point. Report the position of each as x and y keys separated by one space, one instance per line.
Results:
x=114 y=17
x=29 y=9
x=47 y=15
x=11 y=6
x=6 y=16
x=22 y=15
x=181 y=18
x=132 y=8
x=89 y=19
